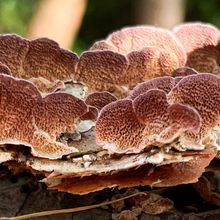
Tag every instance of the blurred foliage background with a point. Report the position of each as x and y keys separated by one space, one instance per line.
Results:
x=101 y=17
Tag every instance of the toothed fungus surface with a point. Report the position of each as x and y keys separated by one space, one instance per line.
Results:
x=202 y=44
x=100 y=99
x=129 y=56
x=29 y=119
x=161 y=111
x=163 y=132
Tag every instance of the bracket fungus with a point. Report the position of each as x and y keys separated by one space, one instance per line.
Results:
x=129 y=56
x=201 y=92
x=31 y=120
x=125 y=58
x=202 y=44
x=41 y=59
x=100 y=99
x=149 y=120
x=165 y=83
x=168 y=123
x=162 y=111
x=142 y=134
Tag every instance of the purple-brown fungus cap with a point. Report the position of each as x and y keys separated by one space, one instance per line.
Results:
x=148 y=120
x=37 y=58
x=165 y=83
x=164 y=110
x=30 y=120
x=100 y=99
x=129 y=56
x=202 y=92
x=202 y=45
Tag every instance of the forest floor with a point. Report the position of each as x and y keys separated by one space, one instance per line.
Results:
x=23 y=194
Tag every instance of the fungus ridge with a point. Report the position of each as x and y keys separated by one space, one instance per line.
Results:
x=29 y=119
x=202 y=92
x=129 y=56
x=202 y=44
x=41 y=58
x=147 y=120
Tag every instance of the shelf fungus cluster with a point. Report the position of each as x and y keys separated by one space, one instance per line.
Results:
x=164 y=133
x=116 y=64
x=60 y=120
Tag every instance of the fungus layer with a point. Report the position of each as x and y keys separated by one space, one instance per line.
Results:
x=100 y=99
x=159 y=176
x=202 y=45
x=97 y=168
x=201 y=92
x=182 y=113
x=29 y=119
x=165 y=83
x=158 y=118
x=129 y=56
x=37 y=58
x=125 y=58
x=85 y=174
x=41 y=60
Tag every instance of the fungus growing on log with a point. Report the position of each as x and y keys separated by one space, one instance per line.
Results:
x=167 y=124
x=144 y=135
x=152 y=124
x=159 y=176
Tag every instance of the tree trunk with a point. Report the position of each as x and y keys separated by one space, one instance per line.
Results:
x=59 y=20
x=162 y=13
